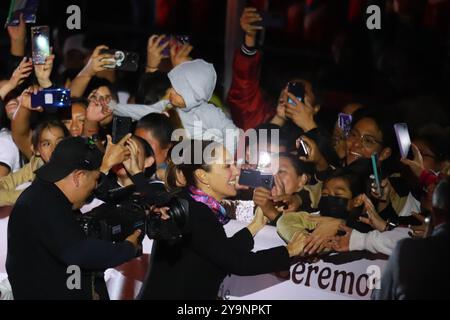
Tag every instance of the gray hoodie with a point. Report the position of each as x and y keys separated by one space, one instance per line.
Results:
x=195 y=82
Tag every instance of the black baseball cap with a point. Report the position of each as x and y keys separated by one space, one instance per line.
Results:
x=71 y=154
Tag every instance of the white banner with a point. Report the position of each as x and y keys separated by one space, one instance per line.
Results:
x=341 y=276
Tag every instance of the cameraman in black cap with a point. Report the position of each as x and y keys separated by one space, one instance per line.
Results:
x=44 y=238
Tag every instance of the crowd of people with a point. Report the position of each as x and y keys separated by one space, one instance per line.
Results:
x=350 y=189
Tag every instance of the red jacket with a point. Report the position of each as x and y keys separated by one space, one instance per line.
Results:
x=247 y=105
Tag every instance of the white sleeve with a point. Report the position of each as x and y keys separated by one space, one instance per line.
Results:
x=137 y=111
x=216 y=119
x=9 y=153
x=376 y=241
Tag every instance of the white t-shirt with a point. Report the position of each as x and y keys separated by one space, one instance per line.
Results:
x=9 y=153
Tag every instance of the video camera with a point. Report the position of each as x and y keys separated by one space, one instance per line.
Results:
x=126 y=211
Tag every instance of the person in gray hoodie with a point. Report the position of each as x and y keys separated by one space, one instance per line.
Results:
x=193 y=83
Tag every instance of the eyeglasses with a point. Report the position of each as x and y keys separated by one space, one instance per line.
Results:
x=367 y=141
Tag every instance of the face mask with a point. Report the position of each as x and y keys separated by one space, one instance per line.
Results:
x=334 y=207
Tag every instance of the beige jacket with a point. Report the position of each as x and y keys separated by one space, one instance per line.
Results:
x=9 y=183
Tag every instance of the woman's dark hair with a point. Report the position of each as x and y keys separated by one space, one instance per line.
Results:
x=80 y=100
x=356 y=184
x=300 y=166
x=96 y=83
x=152 y=87
x=183 y=158
x=47 y=124
x=437 y=139
x=159 y=126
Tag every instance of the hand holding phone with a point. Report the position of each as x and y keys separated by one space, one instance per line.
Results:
x=298 y=90
x=256 y=179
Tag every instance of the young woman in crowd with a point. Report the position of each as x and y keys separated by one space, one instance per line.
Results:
x=44 y=139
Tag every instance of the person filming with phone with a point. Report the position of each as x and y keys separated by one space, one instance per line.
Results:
x=45 y=239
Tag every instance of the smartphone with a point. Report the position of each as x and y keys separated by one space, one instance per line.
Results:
x=40 y=42
x=271 y=20
x=376 y=173
x=404 y=140
x=256 y=179
x=298 y=90
x=302 y=147
x=173 y=41
x=121 y=60
x=345 y=122
x=27 y=8
x=120 y=128
x=51 y=98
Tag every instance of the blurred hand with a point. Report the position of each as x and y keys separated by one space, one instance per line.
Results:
x=260 y=219
x=421 y=230
x=247 y=20
x=302 y=114
x=134 y=164
x=180 y=53
x=19 y=32
x=326 y=227
x=154 y=52
x=292 y=202
x=43 y=71
x=97 y=111
x=297 y=244
x=97 y=61
x=134 y=239
x=416 y=165
x=314 y=154
x=384 y=198
x=340 y=243
x=19 y=75
x=115 y=153
x=263 y=198
x=25 y=99
x=373 y=219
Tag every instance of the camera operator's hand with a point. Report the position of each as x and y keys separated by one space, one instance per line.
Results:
x=302 y=114
x=134 y=163
x=163 y=212
x=115 y=153
x=416 y=165
x=154 y=52
x=263 y=199
x=180 y=53
x=314 y=156
x=43 y=71
x=134 y=239
x=247 y=20
x=97 y=62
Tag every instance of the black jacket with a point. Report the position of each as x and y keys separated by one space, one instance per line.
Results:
x=418 y=269
x=195 y=267
x=44 y=239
